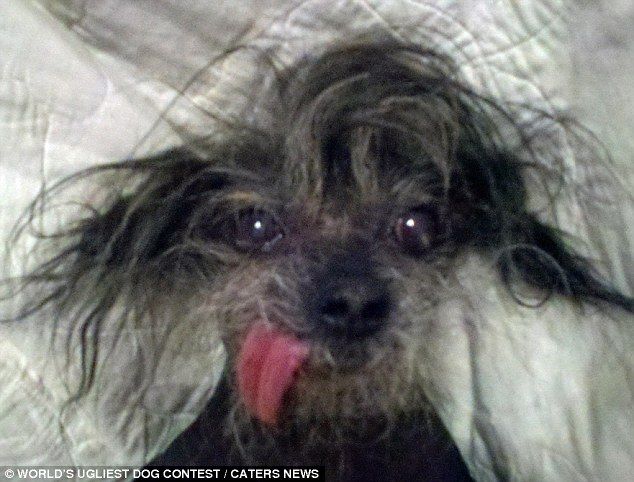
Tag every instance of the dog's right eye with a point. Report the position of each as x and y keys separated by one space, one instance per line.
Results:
x=256 y=230
x=416 y=231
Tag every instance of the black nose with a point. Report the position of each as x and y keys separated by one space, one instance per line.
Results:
x=354 y=308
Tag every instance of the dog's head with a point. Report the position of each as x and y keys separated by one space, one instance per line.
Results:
x=322 y=245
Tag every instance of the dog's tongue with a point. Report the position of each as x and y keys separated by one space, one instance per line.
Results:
x=267 y=364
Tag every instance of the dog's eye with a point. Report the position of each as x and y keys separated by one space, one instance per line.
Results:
x=256 y=229
x=417 y=230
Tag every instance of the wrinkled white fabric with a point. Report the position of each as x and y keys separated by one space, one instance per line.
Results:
x=528 y=394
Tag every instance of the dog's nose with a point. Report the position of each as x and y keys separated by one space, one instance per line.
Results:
x=354 y=308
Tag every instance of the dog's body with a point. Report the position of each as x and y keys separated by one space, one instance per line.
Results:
x=322 y=249
x=415 y=448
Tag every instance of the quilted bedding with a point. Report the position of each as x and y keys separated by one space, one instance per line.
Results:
x=84 y=82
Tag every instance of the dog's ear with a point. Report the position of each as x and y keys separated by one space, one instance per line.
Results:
x=489 y=196
x=144 y=224
x=118 y=244
x=140 y=226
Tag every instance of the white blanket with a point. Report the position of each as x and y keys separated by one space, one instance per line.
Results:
x=529 y=394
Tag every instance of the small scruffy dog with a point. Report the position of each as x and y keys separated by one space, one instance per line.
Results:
x=321 y=247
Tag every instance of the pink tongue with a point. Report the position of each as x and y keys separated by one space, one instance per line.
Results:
x=267 y=364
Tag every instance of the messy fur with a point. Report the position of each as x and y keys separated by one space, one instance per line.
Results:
x=358 y=136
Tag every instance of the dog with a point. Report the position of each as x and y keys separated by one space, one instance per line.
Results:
x=321 y=245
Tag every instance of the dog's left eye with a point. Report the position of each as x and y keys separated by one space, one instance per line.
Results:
x=417 y=230
x=256 y=229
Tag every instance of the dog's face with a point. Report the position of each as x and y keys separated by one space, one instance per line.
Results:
x=331 y=241
x=337 y=287
x=322 y=246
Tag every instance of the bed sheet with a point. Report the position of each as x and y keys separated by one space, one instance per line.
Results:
x=90 y=81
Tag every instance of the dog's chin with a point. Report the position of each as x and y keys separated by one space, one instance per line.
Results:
x=350 y=390
x=352 y=404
